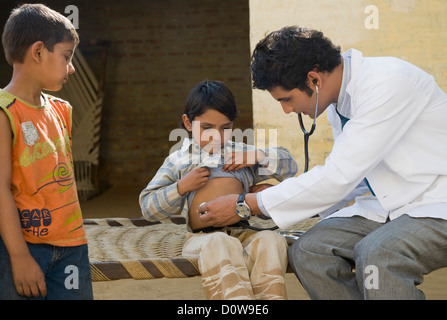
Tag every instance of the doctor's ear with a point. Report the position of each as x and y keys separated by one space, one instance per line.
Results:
x=313 y=78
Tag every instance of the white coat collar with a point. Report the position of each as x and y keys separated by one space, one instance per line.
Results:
x=352 y=60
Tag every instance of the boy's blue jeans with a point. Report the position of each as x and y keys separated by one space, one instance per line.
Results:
x=66 y=269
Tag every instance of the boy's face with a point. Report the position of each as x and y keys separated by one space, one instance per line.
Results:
x=211 y=129
x=57 y=65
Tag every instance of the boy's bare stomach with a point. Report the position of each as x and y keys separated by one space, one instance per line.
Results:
x=213 y=189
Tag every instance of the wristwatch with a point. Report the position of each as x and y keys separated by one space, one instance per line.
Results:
x=242 y=208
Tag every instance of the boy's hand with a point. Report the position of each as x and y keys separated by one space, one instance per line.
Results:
x=193 y=180
x=28 y=277
x=241 y=159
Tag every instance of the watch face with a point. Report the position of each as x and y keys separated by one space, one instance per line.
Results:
x=243 y=211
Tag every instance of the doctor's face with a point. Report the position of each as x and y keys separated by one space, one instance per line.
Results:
x=296 y=100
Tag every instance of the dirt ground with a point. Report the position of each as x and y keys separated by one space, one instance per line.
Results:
x=123 y=202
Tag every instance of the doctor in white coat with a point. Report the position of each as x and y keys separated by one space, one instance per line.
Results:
x=389 y=121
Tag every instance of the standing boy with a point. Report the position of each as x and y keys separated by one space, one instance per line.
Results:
x=43 y=246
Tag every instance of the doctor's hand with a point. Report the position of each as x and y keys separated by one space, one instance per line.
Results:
x=220 y=212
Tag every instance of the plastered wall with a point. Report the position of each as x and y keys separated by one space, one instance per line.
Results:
x=414 y=30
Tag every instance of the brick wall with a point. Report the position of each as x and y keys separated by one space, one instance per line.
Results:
x=159 y=49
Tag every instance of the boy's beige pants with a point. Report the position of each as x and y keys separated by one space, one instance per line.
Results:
x=240 y=264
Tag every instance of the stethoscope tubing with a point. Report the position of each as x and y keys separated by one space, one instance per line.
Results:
x=307 y=134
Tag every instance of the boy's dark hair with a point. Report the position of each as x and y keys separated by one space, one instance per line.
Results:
x=210 y=95
x=30 y=23
x=284 y=58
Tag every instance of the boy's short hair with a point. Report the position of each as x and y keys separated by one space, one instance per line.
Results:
x=210 y=94
x=30 y=23
x=285 y=57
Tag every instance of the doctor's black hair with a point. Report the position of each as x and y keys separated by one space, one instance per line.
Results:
x=210 y=94
x=284 y=58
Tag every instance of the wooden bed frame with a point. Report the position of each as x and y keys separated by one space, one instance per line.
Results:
x=123 y=248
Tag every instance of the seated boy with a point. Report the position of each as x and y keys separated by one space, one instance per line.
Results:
x=235 y=263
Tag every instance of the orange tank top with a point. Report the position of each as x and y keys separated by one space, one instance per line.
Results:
x=43 y=183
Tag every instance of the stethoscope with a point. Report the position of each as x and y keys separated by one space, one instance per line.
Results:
x=308 y=134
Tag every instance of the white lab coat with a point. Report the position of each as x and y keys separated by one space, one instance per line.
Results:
x=396 y=137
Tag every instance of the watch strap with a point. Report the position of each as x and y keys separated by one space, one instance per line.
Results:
x=241 y=197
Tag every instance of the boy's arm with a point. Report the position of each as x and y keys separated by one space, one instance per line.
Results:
x=278 y=164
x=161 y=198
x=28 y=277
